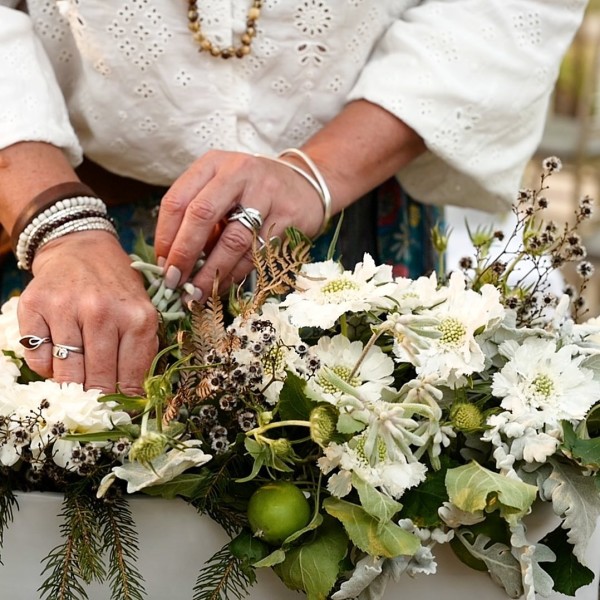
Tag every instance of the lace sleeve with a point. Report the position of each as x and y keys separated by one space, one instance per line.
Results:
x=473 y=78
x=33 y=108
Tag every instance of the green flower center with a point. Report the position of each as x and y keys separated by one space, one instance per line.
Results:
x=543 y=386
x=380 y=449
x=337 y=287
x=466 y=417
x=273 y=361
x=343 y=373
x=453 y=332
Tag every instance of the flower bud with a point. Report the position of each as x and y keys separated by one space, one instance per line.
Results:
x=323 y=422
x=466 y=417
x=148 y=447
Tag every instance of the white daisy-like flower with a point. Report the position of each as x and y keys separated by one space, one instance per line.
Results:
x=414 y=294
x=455 y=351
x=328 y=292
x=340 y=355
x=541 y=384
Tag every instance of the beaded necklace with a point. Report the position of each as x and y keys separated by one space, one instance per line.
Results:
x=205 y=45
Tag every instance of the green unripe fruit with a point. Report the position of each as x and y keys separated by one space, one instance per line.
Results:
x=276 y=510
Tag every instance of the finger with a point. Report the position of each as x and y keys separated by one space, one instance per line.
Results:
x=204 y=212
x=31 y=322
x=67 y=365
x=137 y=348
x=100 y=344
x=175 y=202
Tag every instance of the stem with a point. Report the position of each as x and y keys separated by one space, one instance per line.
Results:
x=275 y=424
x=366 y=349
x=344 y=325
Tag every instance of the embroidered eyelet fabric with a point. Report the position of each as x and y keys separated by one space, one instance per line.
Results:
x=123 y=82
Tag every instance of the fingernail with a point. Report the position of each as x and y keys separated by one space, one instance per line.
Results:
x=161 y=261
x=172 y=277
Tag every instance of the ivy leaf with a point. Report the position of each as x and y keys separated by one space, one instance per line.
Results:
x=586 y=451
x=293 y=403
x=371 y=536
x=421 y=504
x=314 y=566
x=574 y=497
x=472 y=488
x=376 y=504
x=567 y=572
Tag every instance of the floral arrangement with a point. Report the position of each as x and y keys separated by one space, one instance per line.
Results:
x=340 y=418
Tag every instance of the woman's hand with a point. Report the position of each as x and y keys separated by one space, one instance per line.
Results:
x=204 y=196
x=85 y=294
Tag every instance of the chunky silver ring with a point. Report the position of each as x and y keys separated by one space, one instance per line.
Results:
x=248 y=217
x=33 y=342
x=62 y=351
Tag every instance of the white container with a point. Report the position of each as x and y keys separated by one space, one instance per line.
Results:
x=175 y=541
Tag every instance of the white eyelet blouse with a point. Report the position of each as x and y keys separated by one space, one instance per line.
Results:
x=123 y=82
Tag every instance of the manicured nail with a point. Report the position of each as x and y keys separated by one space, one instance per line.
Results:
x=172 y=277
x=160 y=261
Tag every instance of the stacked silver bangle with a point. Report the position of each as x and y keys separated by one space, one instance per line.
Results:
x=314 y=178
x=68 y=215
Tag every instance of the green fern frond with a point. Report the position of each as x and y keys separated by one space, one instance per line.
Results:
x=121 y=541
x=222 y=578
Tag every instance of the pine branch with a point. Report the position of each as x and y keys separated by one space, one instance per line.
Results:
x=78 y=560
x=8 y=502
x=222 y=578
x=121 y=541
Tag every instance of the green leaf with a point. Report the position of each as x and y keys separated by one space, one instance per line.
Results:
x=347 y=425
x=376 y=504
x=587 y=452
x=294 y=404
x=472 y=488
x=276 y=557
x=314 y=566
x=371 y=536
x=421 y=504
x=567 y=572
x=186 y=485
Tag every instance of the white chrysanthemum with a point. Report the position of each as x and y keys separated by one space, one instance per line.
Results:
x=339 y=355
x=9 y=373
x=52 y=404
x=9 y=327
x=328 y=292
x=541 y=384
x=454 y=350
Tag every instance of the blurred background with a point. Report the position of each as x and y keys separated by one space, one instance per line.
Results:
x=572 y=134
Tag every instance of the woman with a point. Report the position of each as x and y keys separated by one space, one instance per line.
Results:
x=205 y=101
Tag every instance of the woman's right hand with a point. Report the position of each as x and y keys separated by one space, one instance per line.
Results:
x=85 y=294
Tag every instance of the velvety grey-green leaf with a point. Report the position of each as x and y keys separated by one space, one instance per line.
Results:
x=574 y=496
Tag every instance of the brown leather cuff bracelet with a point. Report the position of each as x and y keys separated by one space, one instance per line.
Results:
x=42 y=201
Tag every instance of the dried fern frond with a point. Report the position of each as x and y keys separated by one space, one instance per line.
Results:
x=208 y=326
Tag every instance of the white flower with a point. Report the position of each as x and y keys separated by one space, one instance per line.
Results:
x=340 y=356
x=542 y=384
x=328 y=292
x=454 y=350
x=9 y=327
x=164 y=468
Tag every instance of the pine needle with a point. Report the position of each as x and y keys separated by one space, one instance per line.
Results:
x=8 y=502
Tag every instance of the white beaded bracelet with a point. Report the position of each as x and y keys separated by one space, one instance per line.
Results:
x=83 y=224
x=325 y=193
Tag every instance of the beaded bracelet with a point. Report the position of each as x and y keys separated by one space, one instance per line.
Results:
x=61 y=209
x=33 y=244
x=52 y=218
x=69 y=189
x=84 y=224
x=325 y=194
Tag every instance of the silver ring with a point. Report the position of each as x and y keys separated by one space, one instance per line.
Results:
x=248 y=217
x=62 y=351
x=33 y=342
